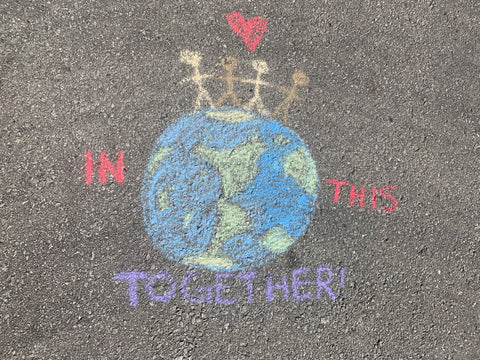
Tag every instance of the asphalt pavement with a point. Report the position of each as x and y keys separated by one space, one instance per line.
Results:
x=239 y=180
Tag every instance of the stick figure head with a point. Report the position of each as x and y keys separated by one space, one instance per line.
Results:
x=299 y=78
x=260 y=66
x=229 y=62
x=190 y=57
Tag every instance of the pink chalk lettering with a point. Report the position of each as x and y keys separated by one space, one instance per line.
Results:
x=354 y=195
x=337 y=184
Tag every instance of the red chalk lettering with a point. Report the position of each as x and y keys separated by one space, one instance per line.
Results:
x=337 y=184
x=354 y=195
x=374 y=197
x=390 y=197
x=88 y=166
x=106 y=165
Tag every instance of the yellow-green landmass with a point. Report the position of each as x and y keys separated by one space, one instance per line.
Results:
x=188 y=217
x=163 y=199
x=157 y=158
x=300 y=166
x=209 y=260
x=230 y=116
x=234 y=220
x=237 y=165
x=282 y=140
x=276 y=240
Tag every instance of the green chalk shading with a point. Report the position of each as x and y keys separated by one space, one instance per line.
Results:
x=237 y=166
x=230 y=116
x=209 y=260
x=276 y=240
x=163 y=199
x=157 y=158
x=234 y=220
x=300 y=166
x=281 y=140
x=188 y=217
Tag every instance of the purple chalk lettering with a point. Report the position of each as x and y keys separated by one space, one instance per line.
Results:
x=342 y=281
x=132 y=277
x=271 y=287
x=248 y=277
x=297 y=283
x=204 y=292
x=160 y=298
x=324 y=284
x=221 y=287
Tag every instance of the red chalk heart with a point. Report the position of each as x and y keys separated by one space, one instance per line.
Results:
x=250 y=31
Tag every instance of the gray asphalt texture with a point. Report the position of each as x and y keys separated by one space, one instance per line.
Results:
x=393 y=99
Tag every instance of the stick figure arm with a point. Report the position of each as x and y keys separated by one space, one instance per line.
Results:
x=259 y=82
x=185 y=80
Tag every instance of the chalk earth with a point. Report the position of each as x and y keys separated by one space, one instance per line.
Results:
x=227 y=189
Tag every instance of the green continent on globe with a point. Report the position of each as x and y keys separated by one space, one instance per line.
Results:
x=300 y=166
x=163 y=199
x=157 y=158
x=276 y=240
x=234 y=220
x=230 y=116
x=237 y=166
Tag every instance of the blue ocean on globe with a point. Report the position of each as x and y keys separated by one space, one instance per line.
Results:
x=227 y=189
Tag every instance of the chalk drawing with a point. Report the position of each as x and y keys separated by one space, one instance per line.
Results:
x=250 y=31
x=194 y=58
x=354 y=195
x=229 y=97
x=301 y=285
x=229 y=64
x=299 y=79
x=106 y=166
x=256 y=101
x=228 y=189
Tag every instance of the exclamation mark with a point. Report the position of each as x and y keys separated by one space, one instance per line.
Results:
x=342 y=281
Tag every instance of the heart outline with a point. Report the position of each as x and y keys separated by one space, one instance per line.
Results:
x=251 y=31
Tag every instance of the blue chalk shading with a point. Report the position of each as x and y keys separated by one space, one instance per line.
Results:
x=184 y=222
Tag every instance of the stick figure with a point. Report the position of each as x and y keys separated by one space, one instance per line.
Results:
x=262 y=68
x=299 y=79
x=194 y=58
x=229 y=63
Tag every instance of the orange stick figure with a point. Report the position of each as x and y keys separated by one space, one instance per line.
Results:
x=299 y=79
x=229 y=63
